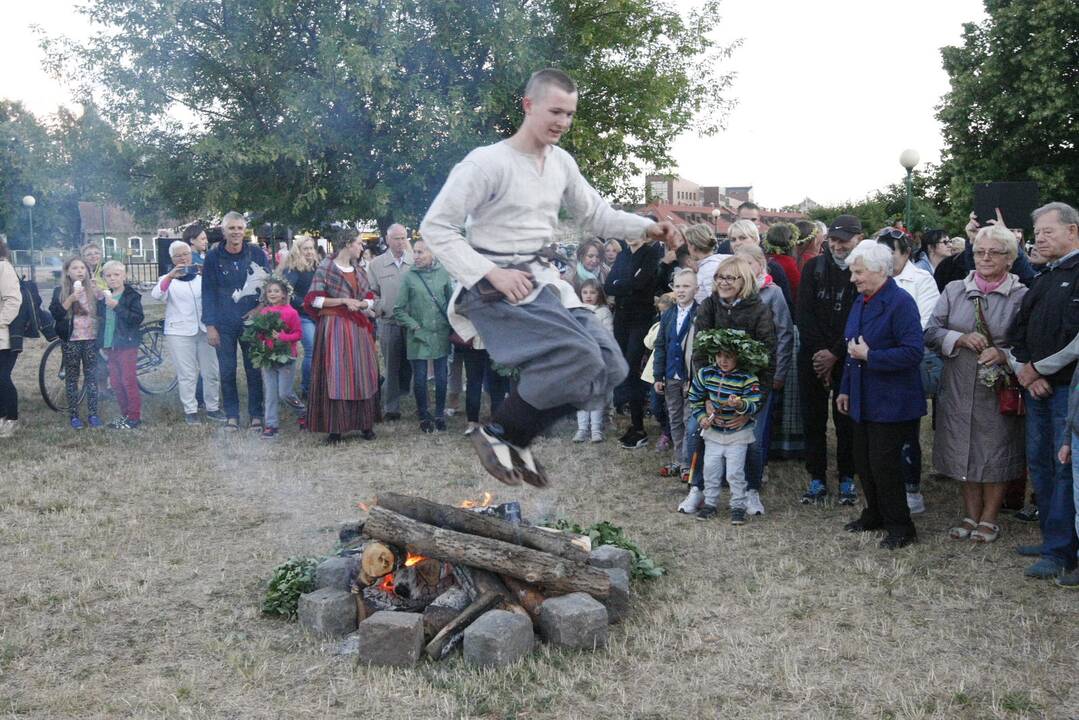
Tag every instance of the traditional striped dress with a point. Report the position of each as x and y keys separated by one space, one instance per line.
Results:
x=343 y=396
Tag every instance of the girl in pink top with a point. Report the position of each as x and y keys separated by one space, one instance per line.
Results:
x=277 y=381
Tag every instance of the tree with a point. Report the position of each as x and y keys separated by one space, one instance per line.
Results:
x=27 y=163
x=310 y=111
x=1011 y=110
x=883 y=207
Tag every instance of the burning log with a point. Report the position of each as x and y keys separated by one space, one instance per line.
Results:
x=477 y=582
x=443 y=609
x=443 y=642
x=527 y=596
x=466 y=521
x=377 y=560
x=422 y=579
x=557 y=574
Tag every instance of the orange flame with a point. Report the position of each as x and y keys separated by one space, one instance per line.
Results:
x=413 y=560
x=387 y=583
x=469 y=504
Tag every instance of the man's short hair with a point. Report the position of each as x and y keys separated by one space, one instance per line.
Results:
x=233 y=215
x=549 y=76
x=1068 y=215
x=749 y=205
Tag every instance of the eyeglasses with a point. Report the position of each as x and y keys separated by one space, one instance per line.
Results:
x=989 y=254
x=727 y=279
x=893 y=233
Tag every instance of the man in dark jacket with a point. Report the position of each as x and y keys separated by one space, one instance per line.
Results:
x=632 y=284
x=226 y=270
x=1047 y=321
x=825 y=297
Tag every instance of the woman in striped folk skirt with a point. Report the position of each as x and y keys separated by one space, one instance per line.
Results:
x=343 y=396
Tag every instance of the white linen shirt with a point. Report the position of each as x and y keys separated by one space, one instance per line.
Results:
x=921 y=286
x=183 y=306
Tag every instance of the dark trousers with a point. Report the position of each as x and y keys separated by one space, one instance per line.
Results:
x=80 y=355
x=226 y=362
x=479 y=373
x=912 y=460
x=878 y=448
x=816 y=399
x=419 y=387
x=630 y=339
x=9 y=396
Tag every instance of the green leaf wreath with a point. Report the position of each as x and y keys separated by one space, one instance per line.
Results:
x=752 y=354
x=266 y=351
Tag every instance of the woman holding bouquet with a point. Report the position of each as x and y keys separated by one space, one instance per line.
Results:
x=343 y=396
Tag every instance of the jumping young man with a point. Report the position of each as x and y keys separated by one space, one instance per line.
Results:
x=488 y=227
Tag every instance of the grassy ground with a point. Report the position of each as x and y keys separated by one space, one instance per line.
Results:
x=134 y=566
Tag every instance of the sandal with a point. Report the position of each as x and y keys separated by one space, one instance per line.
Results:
x=255 y=424
x=981 y=536
x=232 y=424
x=494 y=455
x=962 y=532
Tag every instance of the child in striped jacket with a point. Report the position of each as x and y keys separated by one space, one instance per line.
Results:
x=720 y=395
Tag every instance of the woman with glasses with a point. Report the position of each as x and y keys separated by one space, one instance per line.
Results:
x=973 y=442
x=734 y=304
x=935 y=248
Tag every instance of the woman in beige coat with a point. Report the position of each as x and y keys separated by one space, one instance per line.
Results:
x=10 y=302
x=973 y=442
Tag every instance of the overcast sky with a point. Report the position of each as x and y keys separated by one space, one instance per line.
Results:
x=829 y=92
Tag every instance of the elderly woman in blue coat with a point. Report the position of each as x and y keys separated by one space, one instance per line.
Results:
x=881 y=390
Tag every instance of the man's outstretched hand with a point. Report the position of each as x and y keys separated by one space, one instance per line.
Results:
x=664 y=231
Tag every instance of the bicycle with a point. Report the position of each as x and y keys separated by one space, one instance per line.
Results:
x=156 y=374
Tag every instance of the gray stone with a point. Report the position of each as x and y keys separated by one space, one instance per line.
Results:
x=349 y=646
x=617 y=602
x=609 y=556
x=327 y=611
x=391 y=638
x=337 y=572
x=498 y=638
x=576 y=621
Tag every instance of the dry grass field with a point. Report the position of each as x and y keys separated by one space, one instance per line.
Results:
x=133 y=565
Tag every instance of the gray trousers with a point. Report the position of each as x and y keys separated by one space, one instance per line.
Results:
x=565 y=357
x=391 y=341
x=276 y=386
x=677 y=412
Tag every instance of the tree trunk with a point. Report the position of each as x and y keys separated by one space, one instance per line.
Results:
x=556 y=574
x=466 y=521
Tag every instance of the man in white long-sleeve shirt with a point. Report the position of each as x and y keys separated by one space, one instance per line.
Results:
x=496 y=212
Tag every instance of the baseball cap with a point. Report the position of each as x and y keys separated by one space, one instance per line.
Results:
x=845 y=227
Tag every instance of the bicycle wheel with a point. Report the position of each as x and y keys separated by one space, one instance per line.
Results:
x=51 y=378
x=156 y=372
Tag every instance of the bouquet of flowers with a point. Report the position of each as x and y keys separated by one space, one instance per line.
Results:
x=266 y=350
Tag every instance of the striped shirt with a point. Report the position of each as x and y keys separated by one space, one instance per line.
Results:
x=711 y=383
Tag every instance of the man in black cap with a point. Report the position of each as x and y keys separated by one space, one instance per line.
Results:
x=825 y=297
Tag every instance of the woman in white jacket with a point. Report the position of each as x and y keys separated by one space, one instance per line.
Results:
x=181 y=289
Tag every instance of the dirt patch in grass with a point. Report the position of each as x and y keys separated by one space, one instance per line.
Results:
x=134 y=565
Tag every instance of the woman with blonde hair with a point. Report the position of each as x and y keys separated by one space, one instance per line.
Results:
x=745 y=232
x=299 y=270
x=734 y=304
x=701 y=244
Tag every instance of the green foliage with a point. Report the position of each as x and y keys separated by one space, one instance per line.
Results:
x=883 y=207
x=752 y=354
x=604 y=533
x=290 y=579
x=313 y=111
x=1011 y=110
x=266 y=350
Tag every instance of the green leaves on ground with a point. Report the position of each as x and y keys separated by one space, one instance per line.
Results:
x=604 y=533
x=290 y=579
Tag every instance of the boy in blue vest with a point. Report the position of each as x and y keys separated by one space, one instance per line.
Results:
x=670 y=365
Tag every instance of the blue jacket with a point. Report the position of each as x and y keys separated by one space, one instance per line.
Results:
x=887 y=387
x=222 y=273
x=670 y=349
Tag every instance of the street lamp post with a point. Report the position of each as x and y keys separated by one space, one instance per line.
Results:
x=908 y=159
x=29 y=202
x=716 y=214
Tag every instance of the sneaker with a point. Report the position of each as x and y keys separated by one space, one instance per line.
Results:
x=707 y=512
x=295 y=403
x=76 y=424
x=915 y=503
x=816 y=492
x=753 y=503
x=268 y=433
x=692 y=502
x=1044 y=569
x=580 y=436
x=664 y=443
x=1028 y=514
x=848 y=494
x=440 y=424
x=634 y=439
x=192 y=419
x=597 y=436
x=427 y=426
x=119 y=423
x=738 y=516
x=1069 y=580
x=94 y=421
x=894 y=542
x=216 y=416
